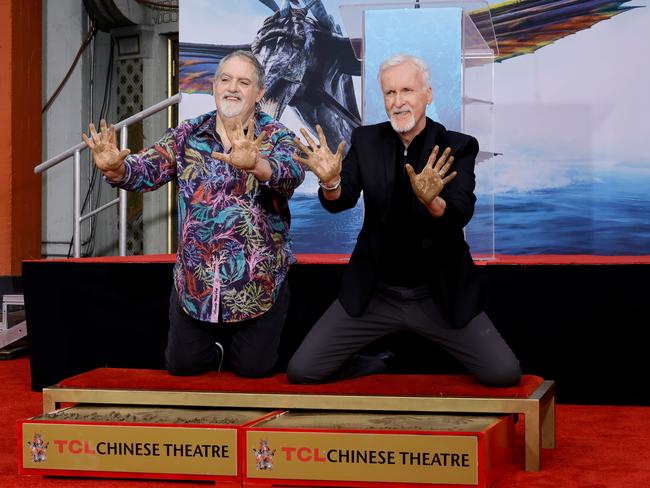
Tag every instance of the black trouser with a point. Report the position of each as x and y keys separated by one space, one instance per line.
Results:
x=251 y=346
x=329 y=350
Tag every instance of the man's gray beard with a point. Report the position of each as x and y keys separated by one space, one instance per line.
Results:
x=407 y=126
x=229 y=108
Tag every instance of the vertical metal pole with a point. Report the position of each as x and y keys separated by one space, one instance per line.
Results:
x=124 y=142
x=76 y=183
x=171 y=68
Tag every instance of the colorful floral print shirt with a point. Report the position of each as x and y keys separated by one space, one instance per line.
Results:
x=234 y=249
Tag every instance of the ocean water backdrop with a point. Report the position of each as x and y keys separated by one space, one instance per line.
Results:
x=606 y=214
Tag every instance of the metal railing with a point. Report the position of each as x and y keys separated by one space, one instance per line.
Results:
x=75 y=153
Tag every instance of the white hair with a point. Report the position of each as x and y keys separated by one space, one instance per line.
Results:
x=398 y=59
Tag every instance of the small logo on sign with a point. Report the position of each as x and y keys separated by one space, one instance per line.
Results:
x=264 y=455
x=38 y=448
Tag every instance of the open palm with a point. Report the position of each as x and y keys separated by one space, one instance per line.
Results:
x=245 y=148
x=428 y=184
x=325 y=164
x=107 y=157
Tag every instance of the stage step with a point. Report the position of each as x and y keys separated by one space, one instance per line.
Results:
x=534 y=397
x=258 y=448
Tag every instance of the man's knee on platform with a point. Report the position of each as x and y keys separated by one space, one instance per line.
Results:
x=501 y=375
x=253 y=366
x=298 y=374
x=176 y=368
x=179 y=363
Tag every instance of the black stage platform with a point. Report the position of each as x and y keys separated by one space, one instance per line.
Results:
x=581 y=322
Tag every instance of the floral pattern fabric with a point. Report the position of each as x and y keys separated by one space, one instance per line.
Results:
x=234 y=248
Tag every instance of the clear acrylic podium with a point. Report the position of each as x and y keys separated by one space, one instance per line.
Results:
x=458 y=42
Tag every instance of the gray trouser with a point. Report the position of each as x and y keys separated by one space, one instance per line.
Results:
x=329 y=350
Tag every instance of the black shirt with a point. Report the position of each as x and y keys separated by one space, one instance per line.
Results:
x=401 y=260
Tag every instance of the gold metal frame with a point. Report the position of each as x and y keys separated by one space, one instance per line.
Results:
x=538 y=409
x=171 y=187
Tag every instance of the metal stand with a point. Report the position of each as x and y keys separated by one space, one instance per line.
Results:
x=11 y=333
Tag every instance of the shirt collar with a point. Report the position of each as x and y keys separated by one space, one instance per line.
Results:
x=208 y=125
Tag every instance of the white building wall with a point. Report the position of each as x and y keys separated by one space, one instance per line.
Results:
x=65 y=23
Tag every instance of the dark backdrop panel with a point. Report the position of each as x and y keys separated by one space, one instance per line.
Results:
x=82 y=316
x=581 y=325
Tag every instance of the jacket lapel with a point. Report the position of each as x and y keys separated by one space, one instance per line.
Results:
x=387 y=159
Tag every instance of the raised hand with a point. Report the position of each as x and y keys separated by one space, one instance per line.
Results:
x=325 y=165
x=429 y=183
x=107 y=157
x=245 y=148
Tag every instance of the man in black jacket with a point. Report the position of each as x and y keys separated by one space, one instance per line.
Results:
x=411 y=268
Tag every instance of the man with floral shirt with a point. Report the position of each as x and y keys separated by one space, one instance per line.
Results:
x=235 y=175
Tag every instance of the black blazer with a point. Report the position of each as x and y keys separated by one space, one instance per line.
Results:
x=368 y=167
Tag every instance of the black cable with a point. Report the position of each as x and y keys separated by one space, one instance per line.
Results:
x=109 y=81
x=95 y=171
x=102 y=115
x=158 y=5
x=89 y=35
x=92 y=173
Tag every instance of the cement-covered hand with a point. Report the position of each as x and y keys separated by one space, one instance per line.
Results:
x=428 y=184
x=325 y=164
x=245 y=147
x=107 y=157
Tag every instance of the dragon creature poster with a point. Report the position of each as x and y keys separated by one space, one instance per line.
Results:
x=567 y=172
